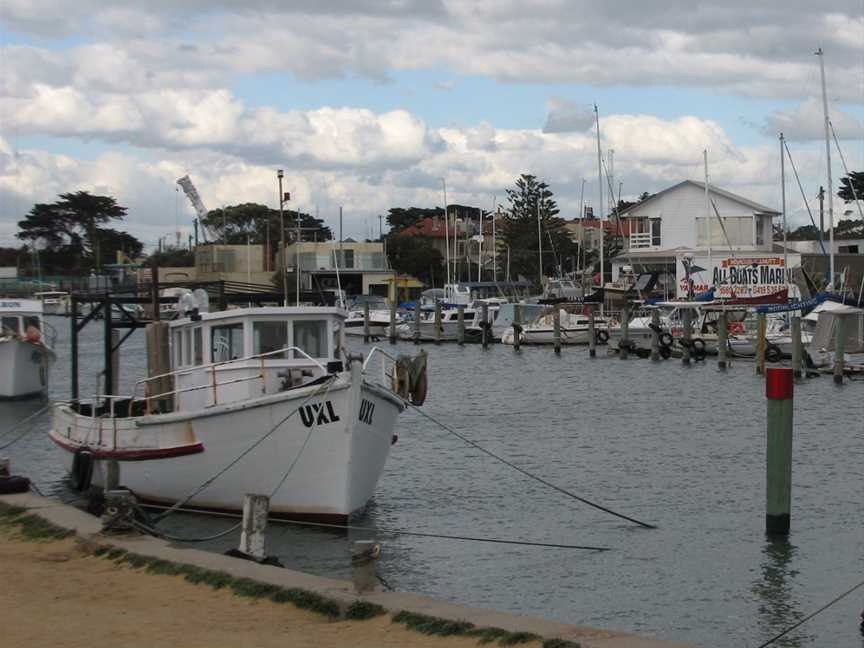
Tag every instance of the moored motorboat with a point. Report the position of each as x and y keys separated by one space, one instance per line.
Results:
x=26 y=356
x=266 y=398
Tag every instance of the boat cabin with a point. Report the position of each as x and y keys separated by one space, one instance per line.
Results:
x=17 y=315
x=235 y=355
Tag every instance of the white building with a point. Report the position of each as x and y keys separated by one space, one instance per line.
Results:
x=730 y=240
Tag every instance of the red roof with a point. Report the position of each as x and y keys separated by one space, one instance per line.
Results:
x=431 y=227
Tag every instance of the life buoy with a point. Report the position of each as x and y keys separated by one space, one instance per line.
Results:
x=773 y=353
x=81 y=474
x=666 y=340
x=601 y=336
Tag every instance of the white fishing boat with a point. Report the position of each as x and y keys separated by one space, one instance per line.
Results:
x=54 y=302
x=506 y=315
x=379 y=322
x=448 y=326
x=267 y=395
x=25 y=353
x=574 y=326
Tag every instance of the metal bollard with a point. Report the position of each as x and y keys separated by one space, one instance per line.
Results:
x=779 y=383
x=364 y=558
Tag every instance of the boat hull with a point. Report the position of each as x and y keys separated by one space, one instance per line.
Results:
x=24 y=368
x=337 y=440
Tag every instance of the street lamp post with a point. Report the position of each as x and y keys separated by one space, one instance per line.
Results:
x=282 y=267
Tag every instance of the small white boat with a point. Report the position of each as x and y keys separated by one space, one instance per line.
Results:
x=379 y=322
x=575 y=328
x=273 y=382
x=54 y=302
x=25 y=353
x=448 y=326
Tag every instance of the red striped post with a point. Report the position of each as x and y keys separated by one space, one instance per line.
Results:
x=779 y=382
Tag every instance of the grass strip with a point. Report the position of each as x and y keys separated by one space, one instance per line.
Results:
x=447 y=628
x=29 y=526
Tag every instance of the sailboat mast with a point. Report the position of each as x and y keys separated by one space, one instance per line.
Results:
x=783 y=207
x=821 y=56
x=708 y=217
x=600 y=203
x=582 y=237
x=540 y=236
x=494 y=242
x=446 y=231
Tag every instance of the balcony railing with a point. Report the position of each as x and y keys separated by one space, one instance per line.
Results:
x=640 y=240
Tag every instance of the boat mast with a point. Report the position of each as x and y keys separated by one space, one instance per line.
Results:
x=783 y=207
x=540 y=236
x=446 y=231
x=821 y=56
x=494 y=242
x=600 y=203
x=708 y=217
x=582 y=235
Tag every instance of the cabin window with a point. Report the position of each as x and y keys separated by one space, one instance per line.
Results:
x=187 y=347
x=178 y=348
x=199 y=345
x=226 y=342
x=269 y=336
x=311 y=336
x=11 y=324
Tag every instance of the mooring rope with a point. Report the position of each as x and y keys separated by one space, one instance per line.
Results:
x=811 y=615
x=537 y=478
x=20 y=423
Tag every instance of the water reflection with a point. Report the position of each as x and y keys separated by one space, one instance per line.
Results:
x=778 y=607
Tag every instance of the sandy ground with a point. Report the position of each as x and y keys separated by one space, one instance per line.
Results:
x=54 y=594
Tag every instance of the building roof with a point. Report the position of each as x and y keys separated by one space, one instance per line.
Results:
x=429 y=226
x=762 y=209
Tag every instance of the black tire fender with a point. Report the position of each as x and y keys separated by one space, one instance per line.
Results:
x=602 y=336
x=666 y=339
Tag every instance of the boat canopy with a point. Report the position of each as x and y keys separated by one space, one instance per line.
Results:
x=824 y=337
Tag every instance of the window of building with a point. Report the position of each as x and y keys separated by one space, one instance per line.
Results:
x=226 y=342
x=760 y=231
x=269 y=336
x=11 y=325
x=739 y=229
x=347 y=258
x=655 y=232
x=311 y=336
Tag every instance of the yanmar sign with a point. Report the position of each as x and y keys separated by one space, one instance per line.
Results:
x=744 y=276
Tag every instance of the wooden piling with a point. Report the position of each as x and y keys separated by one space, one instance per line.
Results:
x=722 y=339
x=460 y=324
x=437 y=322
x=393 y=321
x=517 y=325
x=366 y=322
x=624 y=342
x=364 y=558
x=796 y=347
x=417 y=322
x=592 y=334
x=655 y=335
x=484 y=309
x=839 y=348
x=556 y=323
x=779 y=383
x=761 y=344
x=687 y=336
x=255 y=511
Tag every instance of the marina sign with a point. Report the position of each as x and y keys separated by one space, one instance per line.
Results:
x=744 y=276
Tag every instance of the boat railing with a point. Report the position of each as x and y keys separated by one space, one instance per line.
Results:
x=384 y=375
x=214 y=384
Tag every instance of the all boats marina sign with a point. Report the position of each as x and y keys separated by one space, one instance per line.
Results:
x=749 y=275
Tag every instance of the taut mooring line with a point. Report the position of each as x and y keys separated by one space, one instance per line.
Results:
x=532 y=475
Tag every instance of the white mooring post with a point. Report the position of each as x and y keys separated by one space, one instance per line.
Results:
x=255 y=511
x=364 y=559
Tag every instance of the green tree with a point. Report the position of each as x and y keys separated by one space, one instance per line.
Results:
x=854 y=179
x=72 y=234
x=400 y=218
x=237 y=224
x=529 y=200
x=414 y=255
x=173 y=257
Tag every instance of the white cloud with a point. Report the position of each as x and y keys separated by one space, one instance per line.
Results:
x=806 y=121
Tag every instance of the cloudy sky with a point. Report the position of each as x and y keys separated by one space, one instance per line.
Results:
x=367 y=104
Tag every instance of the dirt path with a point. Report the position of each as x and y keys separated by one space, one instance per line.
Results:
x=52 y=593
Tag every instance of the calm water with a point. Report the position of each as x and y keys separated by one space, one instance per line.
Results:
x=680 y=448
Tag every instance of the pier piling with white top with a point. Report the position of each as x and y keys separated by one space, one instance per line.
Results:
x=722 y=339
x=779 y=383
x=686 y=337
x=839 y=348
x=366 y=322
x=437 y=322
x=393 y=321
x=797 y=356
x=592 y=334
x=255 y=511
x=655 y=335
x=460 y=324
x=556 y=323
